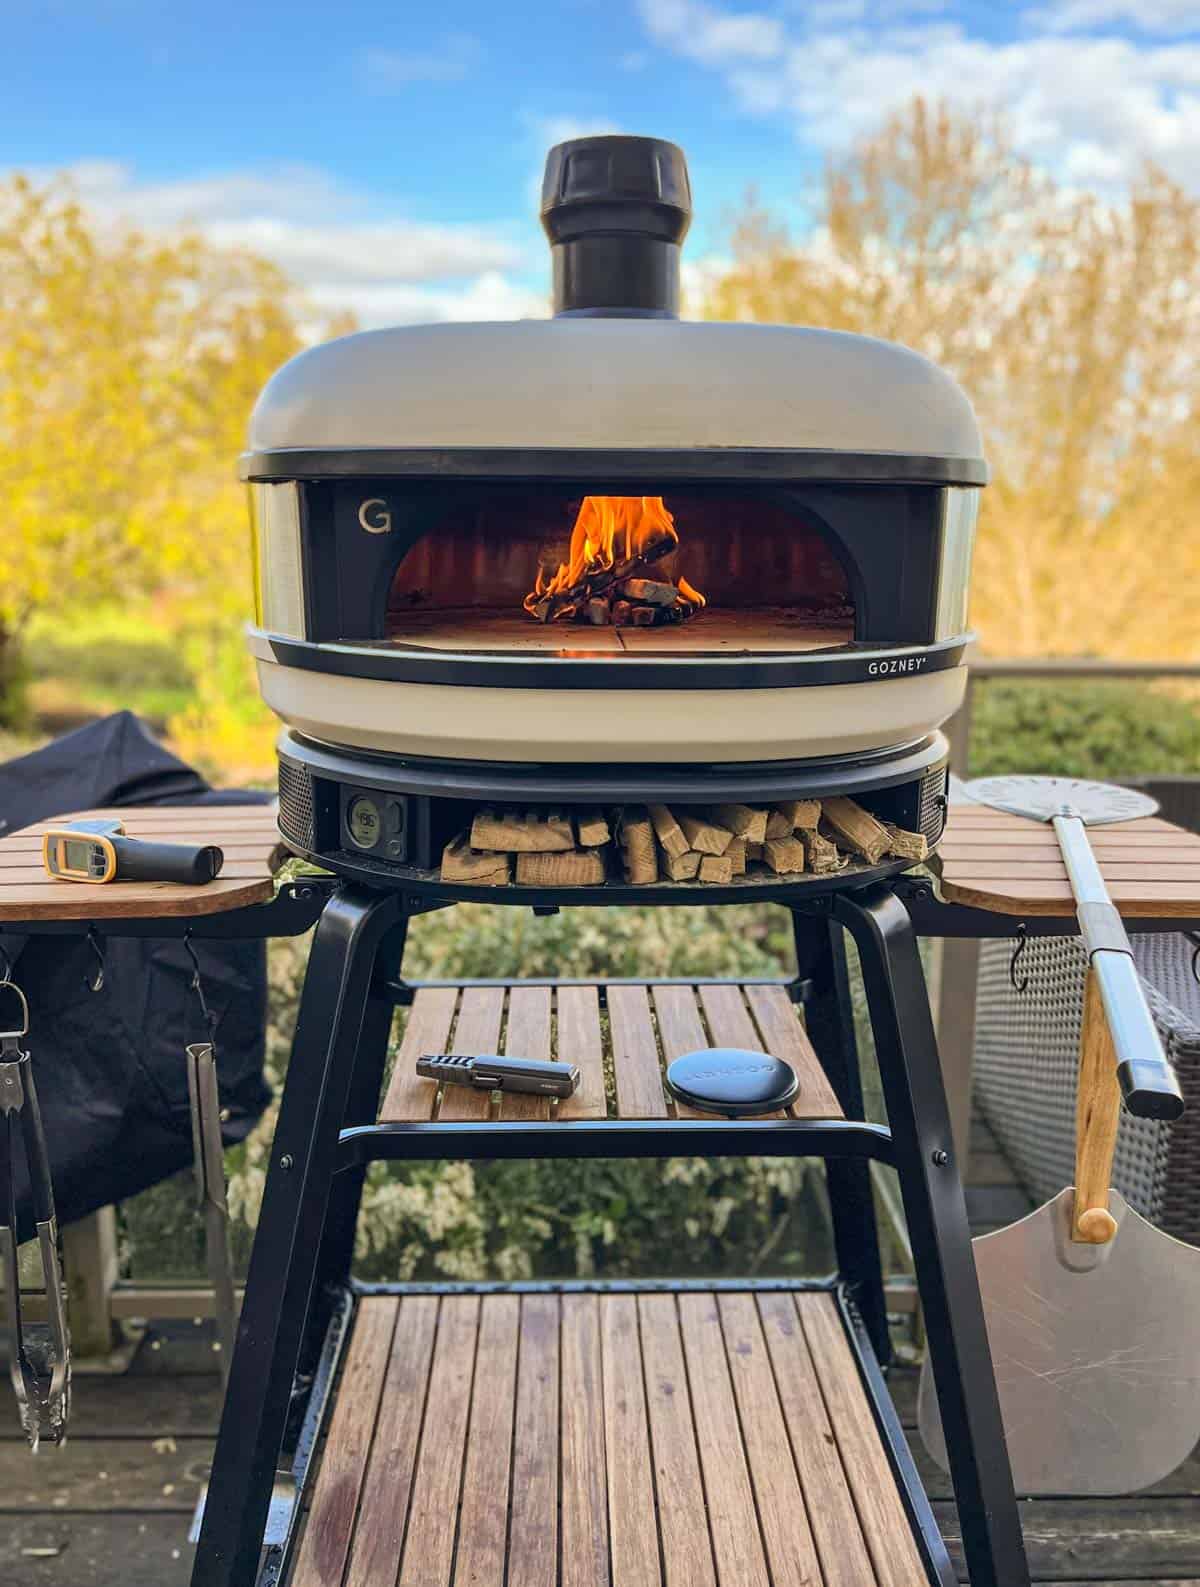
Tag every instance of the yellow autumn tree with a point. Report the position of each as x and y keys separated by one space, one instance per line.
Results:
x=1071 y=321
x=128 y=367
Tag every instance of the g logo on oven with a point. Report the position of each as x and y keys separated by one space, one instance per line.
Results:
x=375 y=516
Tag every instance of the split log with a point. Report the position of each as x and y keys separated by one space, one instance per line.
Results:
x=716 y=868
x=907 y=845
x=802 y=813
x=532 y=833
x=648 y=592
x=682 y=867
x=823 y=853
x=620 y=613
x=555 y=608
x=736 y=855
x=667 y=831
x=704 y=836
x=597 y=612
x=643 y=616
x=592 y=828
x=580 y=868
x=856 y=828
x=742 y=821
x=462 y=863
x=784 y=855
x=637 y=841
x=779 y=824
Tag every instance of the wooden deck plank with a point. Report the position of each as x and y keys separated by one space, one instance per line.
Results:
x=633 y=1533
x=737 y=1543
x=785 y=1037
x=527 y=1035
x=783 y=1516
x=410 y=1095
x=483 y=1522
x=325 y=1545
x=584 y=1474
x=681 y=1030
x=429 y=1545
x=845 y=1561
x=477 y=1030
x=635 y=1054
x=533 y=1529
x=580 y=1041
x=682 y=1516
x=881 y=1512
x=388 y=1485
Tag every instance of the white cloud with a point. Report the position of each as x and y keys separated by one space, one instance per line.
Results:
x=1150 y=16
x=382 y=268
x=1093 y=108
x=453 y=59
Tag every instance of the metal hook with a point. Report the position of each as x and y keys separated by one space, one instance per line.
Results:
x=1021 y=985
x=210 y=1019
x=96 y=980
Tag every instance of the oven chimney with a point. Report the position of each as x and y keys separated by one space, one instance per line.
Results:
x=616 y=210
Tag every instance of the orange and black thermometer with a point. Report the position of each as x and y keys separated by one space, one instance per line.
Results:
x=99 y=851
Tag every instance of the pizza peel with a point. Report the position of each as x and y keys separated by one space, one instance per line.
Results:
x=1092 y=1313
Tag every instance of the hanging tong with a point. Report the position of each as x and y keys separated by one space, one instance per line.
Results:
x=40 y=1366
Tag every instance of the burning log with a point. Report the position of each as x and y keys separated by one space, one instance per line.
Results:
x=705 y=836
x=856 y=828
x=716 y=868
x=907 y=845
x=784 y=855
x=682 y=867
x=637 y=841
x=620 y=613
x=643 y=616
x=462 y=863
x=597 y=611
x=668 y=833
x=580 y=868
x=531 y=833
x=742 y=821
x=648 y=592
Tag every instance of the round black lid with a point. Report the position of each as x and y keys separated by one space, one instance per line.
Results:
x=616 y=208
x=732 y=1081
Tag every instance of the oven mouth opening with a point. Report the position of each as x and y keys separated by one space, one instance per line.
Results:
x=598 y=576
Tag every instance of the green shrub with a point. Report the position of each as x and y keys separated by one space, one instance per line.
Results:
x=1082 y=729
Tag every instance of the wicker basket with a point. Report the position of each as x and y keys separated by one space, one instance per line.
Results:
x=1026 y=1053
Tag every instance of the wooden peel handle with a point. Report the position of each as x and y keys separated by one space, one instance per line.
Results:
x=1097 y=1115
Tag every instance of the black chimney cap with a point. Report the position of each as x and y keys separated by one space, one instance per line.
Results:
x=616 y=209
x=615 y=183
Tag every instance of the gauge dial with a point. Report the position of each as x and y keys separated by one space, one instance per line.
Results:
x=364 y=821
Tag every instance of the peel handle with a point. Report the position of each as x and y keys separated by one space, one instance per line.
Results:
x=1147 y=1082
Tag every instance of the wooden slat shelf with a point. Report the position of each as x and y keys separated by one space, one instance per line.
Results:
x=991 y=860
x=246 y=834
x=621 y=1059
x=603 y=1441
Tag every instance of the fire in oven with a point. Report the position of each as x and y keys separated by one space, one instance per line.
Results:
x=612 y=573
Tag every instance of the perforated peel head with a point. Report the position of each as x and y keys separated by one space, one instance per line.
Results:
x=1043 y=798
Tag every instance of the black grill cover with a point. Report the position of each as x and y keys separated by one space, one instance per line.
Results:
x=109 y=1065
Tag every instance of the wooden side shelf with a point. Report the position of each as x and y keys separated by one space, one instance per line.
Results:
x=604 y=1441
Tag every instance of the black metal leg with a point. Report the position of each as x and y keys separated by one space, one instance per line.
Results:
x=937 y=1222
x=362 y=1107
x=829 y=1020
x=280 y=1282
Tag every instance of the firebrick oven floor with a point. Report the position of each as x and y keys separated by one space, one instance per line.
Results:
x=714 y=630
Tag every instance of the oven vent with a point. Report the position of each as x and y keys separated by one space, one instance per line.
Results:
x=931 y=811
x=296 y=811
x=616 y=210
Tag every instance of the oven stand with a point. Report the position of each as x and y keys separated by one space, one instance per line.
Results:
x=304 y=1244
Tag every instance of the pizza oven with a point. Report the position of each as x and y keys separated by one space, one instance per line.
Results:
x=608 y=557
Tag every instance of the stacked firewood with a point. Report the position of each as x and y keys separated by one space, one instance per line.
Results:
x=718 y=844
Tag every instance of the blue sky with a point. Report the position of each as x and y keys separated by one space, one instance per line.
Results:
x=388 y=156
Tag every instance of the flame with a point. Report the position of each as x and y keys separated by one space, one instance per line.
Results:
x=609 y=530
